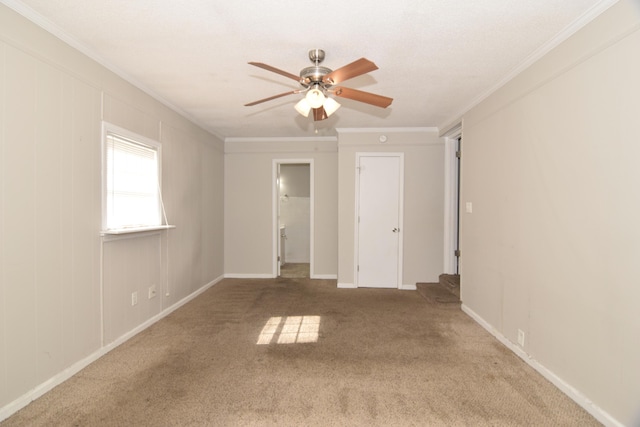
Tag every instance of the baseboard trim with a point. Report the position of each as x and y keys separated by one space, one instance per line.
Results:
x=248 y=276
x=271 y=276
x=59 y=378
x=346 y=285
x=353 y=286
x=588 y=405
x=325 y=276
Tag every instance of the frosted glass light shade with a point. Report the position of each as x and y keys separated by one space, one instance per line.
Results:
x=315 y=98
x=330 y=106
x=303 y=107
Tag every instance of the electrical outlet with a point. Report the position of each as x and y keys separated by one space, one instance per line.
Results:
x=134 y=298
x=521 y=337
x=152 y=291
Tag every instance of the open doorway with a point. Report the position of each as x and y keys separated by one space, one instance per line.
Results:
x=452 y=252
x=293 y=218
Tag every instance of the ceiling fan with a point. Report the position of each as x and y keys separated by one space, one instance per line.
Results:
x=317 y=82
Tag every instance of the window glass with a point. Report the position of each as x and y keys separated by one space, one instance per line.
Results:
x=132 y=190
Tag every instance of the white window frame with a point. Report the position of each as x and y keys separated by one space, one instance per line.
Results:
x=111 y=129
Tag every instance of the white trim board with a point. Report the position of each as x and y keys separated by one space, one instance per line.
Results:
x=596 y=10
x=271 y=276
x=248 y=276
x=387 y=130
x=582 y=400
x=451 y=196
x=232 y=139
x=325 y=276
x=376 y=145
x=59 y=378
x=353 y=286
x=346 y=286
x=65 y=37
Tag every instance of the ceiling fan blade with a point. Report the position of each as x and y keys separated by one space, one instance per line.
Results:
x=367 y=97
x=356 y=68
x=275 y=70
x=319 y=114
x=271 y=97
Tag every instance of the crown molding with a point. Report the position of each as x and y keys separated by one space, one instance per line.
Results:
x=588 y=16
x=233 y=139
x=65 y=37
x=387 y=130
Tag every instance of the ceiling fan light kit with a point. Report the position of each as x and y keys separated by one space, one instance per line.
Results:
x=303 y=107
x=318 y=82
x=330 y=106
x=315 y=97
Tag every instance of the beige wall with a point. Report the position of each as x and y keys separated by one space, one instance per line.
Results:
x=552 y=246
x=294 y=180
x=423 y=234
x=52 y=102
x=249 y=204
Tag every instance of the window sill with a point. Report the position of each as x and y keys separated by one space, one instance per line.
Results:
x=120 y=231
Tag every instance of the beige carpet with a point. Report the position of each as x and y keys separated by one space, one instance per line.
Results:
x=354 y=357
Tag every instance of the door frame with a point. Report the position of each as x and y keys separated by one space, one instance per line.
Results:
x=400 y=155
x=275 y=204
x=452 y=187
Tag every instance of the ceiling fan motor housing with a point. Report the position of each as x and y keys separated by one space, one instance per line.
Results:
x=312 y=76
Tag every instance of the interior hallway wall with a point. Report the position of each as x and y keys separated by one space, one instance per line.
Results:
x=423 y=234
x=57 y=310
x=551 y=166
x=249 y=206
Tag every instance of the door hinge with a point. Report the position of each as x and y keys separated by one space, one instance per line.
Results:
x=457 y=253
x=278 y=258
x=459 y=154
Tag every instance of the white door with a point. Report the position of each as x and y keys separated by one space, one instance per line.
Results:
x=379 y=214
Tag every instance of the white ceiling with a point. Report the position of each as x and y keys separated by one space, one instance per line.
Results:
x=436 y=58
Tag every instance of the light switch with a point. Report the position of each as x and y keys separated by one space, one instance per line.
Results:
x=469 y=207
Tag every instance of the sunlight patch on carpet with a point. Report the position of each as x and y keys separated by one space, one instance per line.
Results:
x=290 y=330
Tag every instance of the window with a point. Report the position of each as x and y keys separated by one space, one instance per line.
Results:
x=131 y=182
